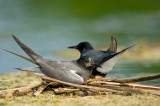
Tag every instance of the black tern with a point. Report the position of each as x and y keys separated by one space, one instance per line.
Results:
x=76 y=71
x=106 y=59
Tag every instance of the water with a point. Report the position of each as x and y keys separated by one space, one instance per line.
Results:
x=47 y=26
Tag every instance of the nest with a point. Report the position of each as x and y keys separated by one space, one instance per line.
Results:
x=96 y=86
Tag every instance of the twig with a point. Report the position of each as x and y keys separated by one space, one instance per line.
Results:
x=55 y=84
x=64 y=90
x=41 y=88
x=98 y=79
x=131 y=89
x=134 y=89
x=144 y=86
x=128 y=84
x=84 y=86
x=45 y=85
x=17 y=91
x=139 y=79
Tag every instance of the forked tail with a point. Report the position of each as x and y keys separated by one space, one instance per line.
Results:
x=27 y=50
x=25 y=58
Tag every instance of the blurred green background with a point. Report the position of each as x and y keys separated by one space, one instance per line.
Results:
x=50 y=25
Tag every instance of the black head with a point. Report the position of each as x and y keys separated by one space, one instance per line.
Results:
x=82 y=47
x=87 y=62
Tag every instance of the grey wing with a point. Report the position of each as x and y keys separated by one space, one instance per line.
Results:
x=64 y=71
x=96 y=55
x=63 y=75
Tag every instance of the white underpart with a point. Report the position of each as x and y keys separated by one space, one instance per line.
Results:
x=39 y=74
x=108 y=65
x=76 y=75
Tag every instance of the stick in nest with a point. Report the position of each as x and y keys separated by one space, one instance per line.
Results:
x=17 y=91
x=139 y=79
x=86 y=87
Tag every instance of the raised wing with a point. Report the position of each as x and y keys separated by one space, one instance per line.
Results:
x=113 y=45
x=110 y=60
